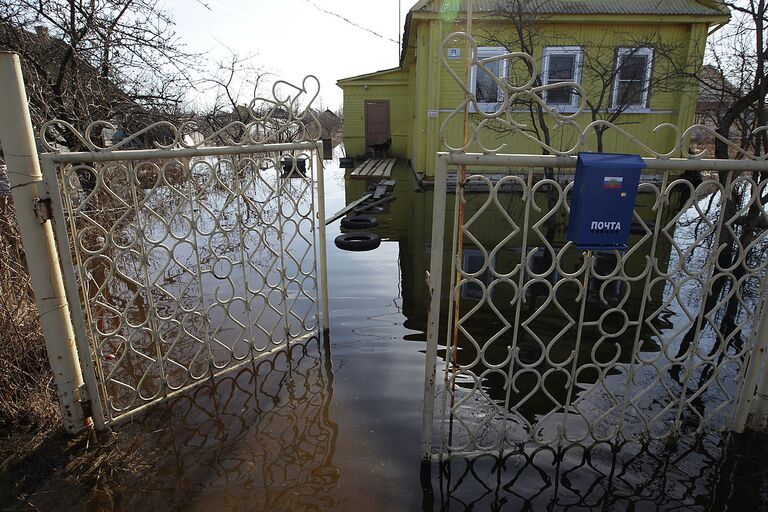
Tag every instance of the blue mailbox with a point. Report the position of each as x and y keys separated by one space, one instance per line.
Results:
x=604 y=193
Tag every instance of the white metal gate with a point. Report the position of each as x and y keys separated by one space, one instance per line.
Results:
x=187 y=260
x=549 y=344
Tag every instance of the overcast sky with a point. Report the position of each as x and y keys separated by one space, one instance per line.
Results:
x=293 y=38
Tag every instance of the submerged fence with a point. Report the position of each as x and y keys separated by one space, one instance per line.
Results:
x=185 y=265
x=551 y=344
x=155 y=269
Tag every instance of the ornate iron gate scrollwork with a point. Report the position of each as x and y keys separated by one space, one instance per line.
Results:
x=193 y=257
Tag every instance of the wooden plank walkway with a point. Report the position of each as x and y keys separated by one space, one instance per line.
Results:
x=378 y=167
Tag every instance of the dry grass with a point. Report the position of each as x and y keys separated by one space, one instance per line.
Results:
x=28 y=408
x=36 y=457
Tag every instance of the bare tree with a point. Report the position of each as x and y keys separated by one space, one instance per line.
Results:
x=732 y=101
x=613 y=82
x=234 y=84
x=738 y=78
x=102 y=59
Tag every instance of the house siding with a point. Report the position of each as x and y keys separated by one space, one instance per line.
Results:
x=392 y=87
x=424 y=87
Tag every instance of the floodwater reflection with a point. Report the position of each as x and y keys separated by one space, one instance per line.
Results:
x=335 y=424
x=698 y=473
x=259 y=438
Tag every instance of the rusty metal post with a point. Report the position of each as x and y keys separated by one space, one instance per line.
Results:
x=17 y=138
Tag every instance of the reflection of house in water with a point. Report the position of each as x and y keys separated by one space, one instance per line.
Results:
x=544 y=325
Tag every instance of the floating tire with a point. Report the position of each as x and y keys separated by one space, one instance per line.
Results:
x=358 y=241
x=359 y=222
x=368 y=209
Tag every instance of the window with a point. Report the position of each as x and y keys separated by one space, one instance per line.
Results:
x=633 y=77
x=561 y=64
x=473 y=261
x=484 y=88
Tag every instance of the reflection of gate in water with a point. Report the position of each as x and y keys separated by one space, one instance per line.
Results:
x=258 y=438
x=551 y=344
x=191 y=258
x=615 y=475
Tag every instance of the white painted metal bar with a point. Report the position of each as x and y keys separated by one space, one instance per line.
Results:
x=752 y=410
x=161 y=154
x=18 y=140
x=569 y=162
x=760 y=417
x=248 y=295
x=84 y=352
x=573 y=384
x=322 y=241
x=633 y=365
x=522 y=271
x=434 y=287
x=449 y=339
x=282 y=183
x=691 y=355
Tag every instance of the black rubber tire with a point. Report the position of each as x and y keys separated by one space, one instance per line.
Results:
x=365 y=210
x=358 y=241
x=359 y=222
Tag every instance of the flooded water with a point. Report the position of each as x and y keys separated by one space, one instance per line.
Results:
x=335 y=423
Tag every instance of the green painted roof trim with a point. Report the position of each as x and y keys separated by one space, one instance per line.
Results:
x=657 y=7
x=366 y=76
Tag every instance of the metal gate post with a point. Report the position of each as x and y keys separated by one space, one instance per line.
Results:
x=322 y=241
x=434 y=285
x=752 y=407
x=17 y=138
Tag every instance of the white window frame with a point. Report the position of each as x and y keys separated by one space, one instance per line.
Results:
x=579 y=62
x=467 y=292
x=643 y=105
x=484 y=52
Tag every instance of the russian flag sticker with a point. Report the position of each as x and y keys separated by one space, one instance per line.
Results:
x=612 y=182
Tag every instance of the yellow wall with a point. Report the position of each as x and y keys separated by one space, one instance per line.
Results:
x=393 y=87
x=424 y=86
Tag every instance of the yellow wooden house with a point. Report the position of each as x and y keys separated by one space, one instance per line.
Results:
x=632 y=59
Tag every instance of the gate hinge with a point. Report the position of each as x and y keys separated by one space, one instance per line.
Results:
x=85 y=401
x=43 y=210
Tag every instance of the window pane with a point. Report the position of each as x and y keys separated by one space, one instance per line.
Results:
x=486 y=90
x=633 y=67
x=561 y=67
x=559 y=96
x=630 y=93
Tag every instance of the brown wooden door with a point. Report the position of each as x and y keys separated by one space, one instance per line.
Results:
x=376 y=122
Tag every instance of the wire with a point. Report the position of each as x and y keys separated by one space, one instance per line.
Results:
x=347 y=20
